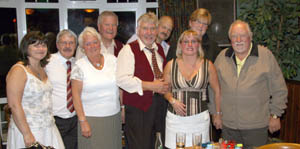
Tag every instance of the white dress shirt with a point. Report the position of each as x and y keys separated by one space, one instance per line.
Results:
x=125 y=67
x=166 y=47
x=56 y=70
x=164 y=44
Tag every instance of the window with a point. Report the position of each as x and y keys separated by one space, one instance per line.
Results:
x=78 y=19
x=44 y=20
x=154 y=10
x=41 y=1
x=122 y=1
x=126 y=26
x=8 y=44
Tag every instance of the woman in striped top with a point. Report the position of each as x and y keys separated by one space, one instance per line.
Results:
x=189 y=76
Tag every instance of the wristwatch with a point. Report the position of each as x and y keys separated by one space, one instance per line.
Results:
x=274 y=116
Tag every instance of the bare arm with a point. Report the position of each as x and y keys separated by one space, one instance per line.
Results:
x=167 y=78
x=214 y=83
x=122 y=106
x=16 y=80
x=178 y=106
x=76 y=93
x=157 y=86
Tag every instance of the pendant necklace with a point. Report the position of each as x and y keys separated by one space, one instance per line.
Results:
x=98 y=65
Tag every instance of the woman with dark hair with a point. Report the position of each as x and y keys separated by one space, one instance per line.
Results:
x=29 y=97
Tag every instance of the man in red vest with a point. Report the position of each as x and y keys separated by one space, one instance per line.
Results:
x=139 y=71
x=107 y=27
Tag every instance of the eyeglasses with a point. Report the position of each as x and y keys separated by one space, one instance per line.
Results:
x=202 y=23
x=64 y=43
x=189 y=41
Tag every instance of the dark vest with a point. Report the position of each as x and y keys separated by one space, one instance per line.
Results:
x=144 y=72
x=118 y=47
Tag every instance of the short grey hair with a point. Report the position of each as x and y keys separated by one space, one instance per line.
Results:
x=240 y=22
x=149 y=17
x=106 y=14
x=68 y=32
x=88 y=31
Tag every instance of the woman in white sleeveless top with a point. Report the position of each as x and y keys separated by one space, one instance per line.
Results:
x=29 y=97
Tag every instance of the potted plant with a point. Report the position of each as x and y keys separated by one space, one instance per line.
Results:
x=274 y=24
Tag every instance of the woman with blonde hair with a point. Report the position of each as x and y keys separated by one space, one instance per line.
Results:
x=189 y=76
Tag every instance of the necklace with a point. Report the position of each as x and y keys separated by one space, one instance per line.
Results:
x=35 y=72
x=98 y=65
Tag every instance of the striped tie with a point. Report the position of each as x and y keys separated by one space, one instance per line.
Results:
x=157 y=73
x=69 y=89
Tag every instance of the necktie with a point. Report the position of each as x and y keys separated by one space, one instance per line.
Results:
x=157 y=73
x=69 y=89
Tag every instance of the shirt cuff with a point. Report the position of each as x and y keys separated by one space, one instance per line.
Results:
x=140 y=88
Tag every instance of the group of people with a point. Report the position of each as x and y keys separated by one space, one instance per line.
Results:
x=67 y=102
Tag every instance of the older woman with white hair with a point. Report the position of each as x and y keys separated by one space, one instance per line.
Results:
x=189 y=76
x=96 y=95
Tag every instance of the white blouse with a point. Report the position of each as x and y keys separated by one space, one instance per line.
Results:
x=100 y=93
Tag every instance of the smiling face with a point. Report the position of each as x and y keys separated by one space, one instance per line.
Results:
x=165 y=28
x=189 y=45
x=66 y=46
x=240 y=39
x=37 y=51
x=108 y=27
x=200 y=26
x=91 y=45
x=147 y=32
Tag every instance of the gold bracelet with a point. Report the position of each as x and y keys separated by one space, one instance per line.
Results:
x=173 y=101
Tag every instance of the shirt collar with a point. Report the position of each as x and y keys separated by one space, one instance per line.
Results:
x=241 y=62
x=63 y=59
x=113 y=44
x=143 y=46
x=253 y=52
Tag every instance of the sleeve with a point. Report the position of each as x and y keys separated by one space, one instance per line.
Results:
x=211 y=95
x=77 y=73
x=125 y=72
x=277 y=87
x=211 y=104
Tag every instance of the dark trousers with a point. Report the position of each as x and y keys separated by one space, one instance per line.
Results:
x=161 y=113
x=250 y=138
x=68 y=131
x=140 y=126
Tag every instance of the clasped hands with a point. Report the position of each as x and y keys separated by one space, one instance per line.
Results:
x=160 y=86
x=180 y=109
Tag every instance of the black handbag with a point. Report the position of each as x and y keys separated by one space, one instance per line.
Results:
x=38 y=145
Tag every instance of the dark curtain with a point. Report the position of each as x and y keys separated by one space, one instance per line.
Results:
x=179 y=10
